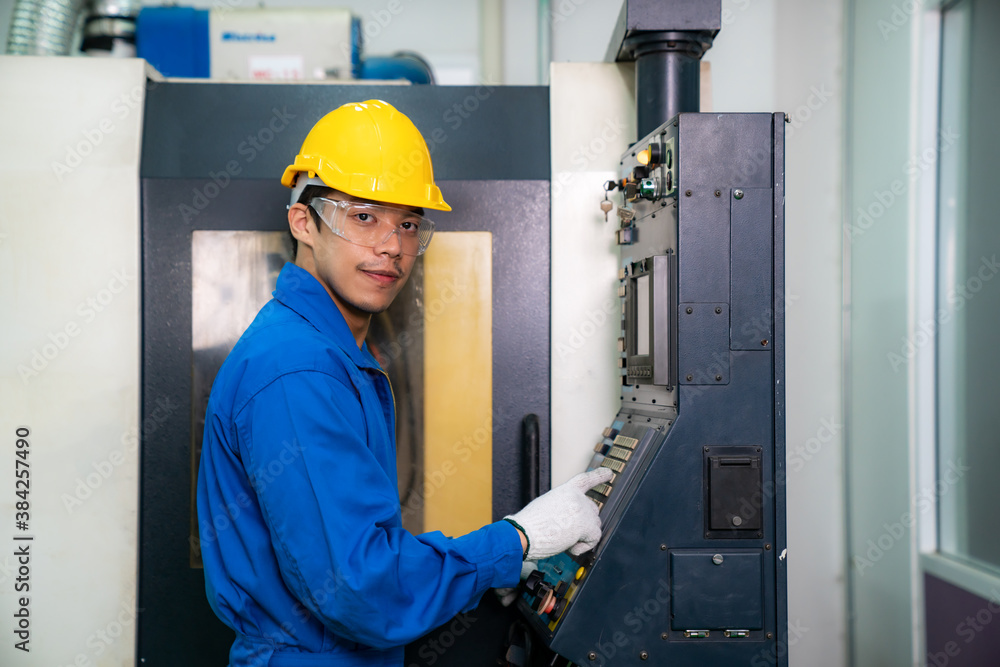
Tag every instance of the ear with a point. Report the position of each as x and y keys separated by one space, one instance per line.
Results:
x=301 y=224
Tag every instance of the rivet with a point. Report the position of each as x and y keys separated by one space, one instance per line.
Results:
x=643 y=655
x=706 y=449
x=767 y=547
x=687 y=193
x=663 y=547
x=718 y=311
x=764 y=342
x=690 y=377
x=689 y=310
x=738 y=194
x=769 y=635
x=592 y=656
x=717 y=559
x=718 y=193
x=663 y=636
x=718 y=378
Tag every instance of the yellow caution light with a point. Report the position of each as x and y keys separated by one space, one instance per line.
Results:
x=643 y=157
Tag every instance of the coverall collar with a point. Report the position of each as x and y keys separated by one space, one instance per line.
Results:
x=300 y=291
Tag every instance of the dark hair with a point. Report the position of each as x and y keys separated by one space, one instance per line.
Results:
x=308 y=194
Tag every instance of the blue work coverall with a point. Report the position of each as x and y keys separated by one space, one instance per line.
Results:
x=301 y=533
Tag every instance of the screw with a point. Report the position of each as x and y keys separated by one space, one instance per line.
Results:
x=718 y=311
x=737 y=521
x=663 y=636
x=592 y=656
x=689 y=310
x=769 y=635
x=687 y=193
x=706 y=449
x=690 y=377
x=764 y=342
x=717 y=559
x=767 y=547
x=718 y=193
x=738 y=194
x=718 y=378
x=643 y=655
x=663 y=547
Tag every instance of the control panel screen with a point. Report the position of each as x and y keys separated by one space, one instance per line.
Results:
x=642 y=315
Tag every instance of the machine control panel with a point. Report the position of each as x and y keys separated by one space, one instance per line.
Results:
x=689 y=569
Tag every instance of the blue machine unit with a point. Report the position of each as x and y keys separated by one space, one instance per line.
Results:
x=177 y=41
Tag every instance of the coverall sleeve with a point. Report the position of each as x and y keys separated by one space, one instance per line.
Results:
x=332 y=513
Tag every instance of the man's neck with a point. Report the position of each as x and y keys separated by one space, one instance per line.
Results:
x=357 y=321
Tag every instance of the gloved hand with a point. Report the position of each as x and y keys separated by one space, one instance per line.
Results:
x=564 y=518
x=508 y=595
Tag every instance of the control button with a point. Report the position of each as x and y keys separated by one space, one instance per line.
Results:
x=559 y=607
x=534 y=582
x=579 y=574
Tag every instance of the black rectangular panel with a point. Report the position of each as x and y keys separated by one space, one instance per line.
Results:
x=201 y=129
x=734 y=496
x=716 y=590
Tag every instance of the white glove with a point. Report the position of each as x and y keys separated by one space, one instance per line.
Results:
x=508 y=595
x=564 y=518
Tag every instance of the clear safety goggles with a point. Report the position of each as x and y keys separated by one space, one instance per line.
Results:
x=371 y=225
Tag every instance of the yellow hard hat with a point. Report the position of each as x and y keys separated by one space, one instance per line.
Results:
x=369 y=150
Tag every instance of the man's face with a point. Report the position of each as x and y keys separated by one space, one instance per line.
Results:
x=362 y=279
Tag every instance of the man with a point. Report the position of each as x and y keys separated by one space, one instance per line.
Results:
x=307 y=559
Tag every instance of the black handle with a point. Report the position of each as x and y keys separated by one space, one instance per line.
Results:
x=530 y=440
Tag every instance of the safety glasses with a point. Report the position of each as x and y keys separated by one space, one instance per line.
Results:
x=371 y=225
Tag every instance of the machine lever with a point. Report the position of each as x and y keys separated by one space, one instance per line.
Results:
x=530 y=439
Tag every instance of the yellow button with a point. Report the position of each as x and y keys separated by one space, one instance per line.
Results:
x=579 y=573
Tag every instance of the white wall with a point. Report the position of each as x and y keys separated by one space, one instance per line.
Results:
x=69 y=293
